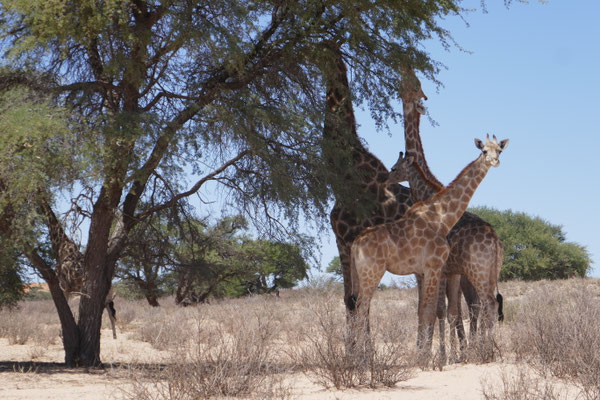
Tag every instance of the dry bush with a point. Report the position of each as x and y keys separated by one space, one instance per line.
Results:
x=126 y=313
x=223 y=359
x=323 y=357
x=46 y=336
x=163 y=328
x=523 y=384
x=490 y=348
x=18 y=327
x=557 y=332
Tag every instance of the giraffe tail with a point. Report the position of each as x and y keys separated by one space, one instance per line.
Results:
x=111 y=309
x=500 y=301
x=499 y=298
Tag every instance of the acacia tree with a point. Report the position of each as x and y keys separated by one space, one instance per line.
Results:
x=230 y=89
x=534 y=248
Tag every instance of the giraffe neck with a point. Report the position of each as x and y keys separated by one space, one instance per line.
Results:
x=421 y=187
x=340 y=123
x=453 y=201
x=412 y=121
x=69 y=267
x=364 y=174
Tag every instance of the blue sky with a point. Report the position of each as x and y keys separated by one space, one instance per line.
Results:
x=532 y=77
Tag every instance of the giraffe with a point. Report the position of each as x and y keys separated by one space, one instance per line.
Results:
x=475 y=252
x=475 y=246
x=365 y=176
x=69 y=268
x=417 y=243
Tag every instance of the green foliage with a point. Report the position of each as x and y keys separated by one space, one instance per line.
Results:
x=534 y=248
x=37 y=154
x=335 y=267
x=182 y=254
x=212 y=80
x=11 y=282
x=266 y=267
x=128 y=289
x=225 y=262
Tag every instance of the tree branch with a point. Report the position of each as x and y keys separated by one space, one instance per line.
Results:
x=194 y=188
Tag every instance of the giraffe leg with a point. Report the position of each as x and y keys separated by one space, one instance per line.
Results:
x=112 y=315
x=349 y=298
x=362 y=347
x=460 y=328
x=366 y=275
x=441 y=317
x=427 y=310
x=419 y=278
x=487 y=309
x=453 y=293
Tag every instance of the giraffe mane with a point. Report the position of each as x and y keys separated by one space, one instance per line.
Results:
x=437 y=185
x=460 y=175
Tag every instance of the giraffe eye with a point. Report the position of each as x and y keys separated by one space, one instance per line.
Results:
x=485 y=152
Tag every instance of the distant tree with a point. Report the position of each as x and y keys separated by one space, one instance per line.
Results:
x=267 y=267
x=222 y=261
x=177 y=252
x=534 y=248
x=149 y=254
x=335 y=267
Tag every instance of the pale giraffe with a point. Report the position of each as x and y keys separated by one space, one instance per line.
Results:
x=69 y=268
x=363 y=199
x=417 y=244
x=476 y=250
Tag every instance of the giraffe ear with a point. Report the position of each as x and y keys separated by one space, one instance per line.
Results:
x=410 y=160
x=479 y=144
x=503 y=144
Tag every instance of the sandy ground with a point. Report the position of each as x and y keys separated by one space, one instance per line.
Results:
x=455 y=382
x=45 y=378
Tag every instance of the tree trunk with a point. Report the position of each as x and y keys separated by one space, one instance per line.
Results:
x=149 y=290
x=91 y=307
x=70 y=331
x=152 y=300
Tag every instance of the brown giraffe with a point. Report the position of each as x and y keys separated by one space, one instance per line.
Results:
x=69 y=268
x=476 y=250
x=417 y=244
x=363 y=199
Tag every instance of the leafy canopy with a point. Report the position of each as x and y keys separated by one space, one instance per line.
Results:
x=534 y=248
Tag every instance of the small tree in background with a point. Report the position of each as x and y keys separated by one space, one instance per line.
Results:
x=534 y=248
x=335 y=268
x=179 y=253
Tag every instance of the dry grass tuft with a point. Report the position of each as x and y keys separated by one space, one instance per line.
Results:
x=522 y=385
x=557 y=332
x=324 y=359
x=222 y=358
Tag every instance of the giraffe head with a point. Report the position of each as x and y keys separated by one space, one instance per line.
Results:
x=411 y=92
x=401 y=170
x=491 y=149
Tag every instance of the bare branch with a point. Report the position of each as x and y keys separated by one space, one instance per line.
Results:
x=194 y=188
